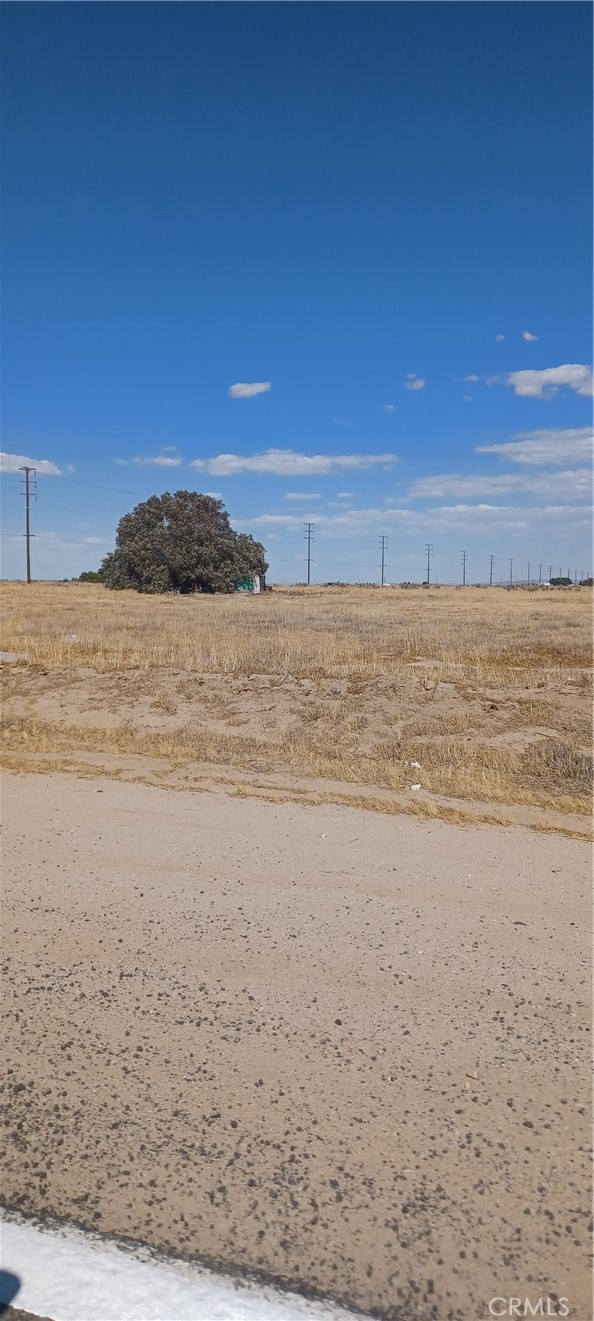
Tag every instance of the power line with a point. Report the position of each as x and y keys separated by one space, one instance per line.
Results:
x=491 y=562
x=463 y=559
x=27 y=493
x=383 y=541
x=511 y=573
x=117 y=490
x=429 y=554
x=309 y=536
x=528 y=566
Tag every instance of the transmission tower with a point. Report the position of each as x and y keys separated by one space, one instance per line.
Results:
x=383 y=543
x=30 y=489
x=309 y=536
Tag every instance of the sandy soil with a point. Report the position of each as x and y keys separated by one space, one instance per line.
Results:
x=345 y=1050
x=365 y=711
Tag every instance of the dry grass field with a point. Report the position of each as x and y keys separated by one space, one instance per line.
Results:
x=304 y=692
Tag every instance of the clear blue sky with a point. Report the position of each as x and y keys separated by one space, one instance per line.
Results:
x=361 y=205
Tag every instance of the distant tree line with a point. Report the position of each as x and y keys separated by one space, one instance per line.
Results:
x=568 y=582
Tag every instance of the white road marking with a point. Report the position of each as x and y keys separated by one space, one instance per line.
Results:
x=69 y=1276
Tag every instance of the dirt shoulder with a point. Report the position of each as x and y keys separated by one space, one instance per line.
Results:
x=340 y=1049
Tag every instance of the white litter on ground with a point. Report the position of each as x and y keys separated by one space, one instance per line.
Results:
x=69 y=1276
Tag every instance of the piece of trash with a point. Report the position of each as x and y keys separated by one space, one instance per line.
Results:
x=323 y=836
x=416 y=765
x=472 y=1075
x=415 y=786
x=72 y=637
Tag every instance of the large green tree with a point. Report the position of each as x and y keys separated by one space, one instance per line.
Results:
x=181 y=543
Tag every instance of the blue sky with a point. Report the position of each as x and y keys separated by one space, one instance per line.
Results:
x=379 y=212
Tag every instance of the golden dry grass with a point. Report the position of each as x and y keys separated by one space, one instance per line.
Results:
x=315 y=631
x=489 y=690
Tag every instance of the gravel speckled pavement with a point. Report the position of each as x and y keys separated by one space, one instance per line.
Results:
x=342 y=1049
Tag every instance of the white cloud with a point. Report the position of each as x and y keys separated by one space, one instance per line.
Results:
x=344 y=495
x=470 y=518
x=302 y=495
x=287 y=463
x=546 y=447
x=471 y=379
x=95 y=541
x=414 y=382
x=387 y=408
x=214 y=495
x=163 y=460
x=342 y=421
x=12 y=463
x=500 y=338
x=248 y=389
x=544 y=384
x=156 y=461
x=572 y=484
x=530 y=339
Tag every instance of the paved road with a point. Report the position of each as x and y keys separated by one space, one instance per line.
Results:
x=341 y=1049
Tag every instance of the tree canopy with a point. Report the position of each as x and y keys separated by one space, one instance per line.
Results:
x=181 y=543
x=91 y=576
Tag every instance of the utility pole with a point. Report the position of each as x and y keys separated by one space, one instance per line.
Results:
x=528 y=568
x=491 y=560
x=383 y=542
x=511 y=573
x=550 y=572
x=309 y=536
x=429 y=554
x=463 y=559
x=539 y=574
x=575 y=578
x=27 y=493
